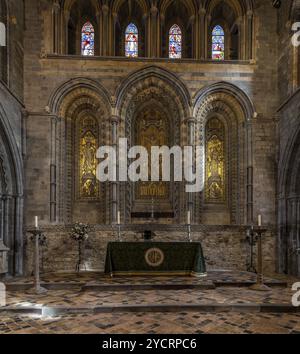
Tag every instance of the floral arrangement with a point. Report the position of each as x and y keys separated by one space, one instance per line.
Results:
x=80 y=232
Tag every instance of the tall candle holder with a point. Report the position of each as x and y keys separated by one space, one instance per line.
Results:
x=259 y=285
x=189 y=233
x=251 y=239
x=37 y=235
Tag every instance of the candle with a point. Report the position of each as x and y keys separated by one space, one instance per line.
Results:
x=188 y=219
x=119 y=218
x=259 y=220
x=36 y=222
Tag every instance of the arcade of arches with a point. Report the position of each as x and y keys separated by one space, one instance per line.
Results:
x=218 y=74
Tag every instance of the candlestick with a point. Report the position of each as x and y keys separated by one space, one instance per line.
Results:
x=188 y=219
x=259 y=220
x=119 y=218
x=36 y=222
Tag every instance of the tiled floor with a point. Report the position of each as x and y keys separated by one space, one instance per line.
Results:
x=156 y=323
x=226 y=295
x=178 y=321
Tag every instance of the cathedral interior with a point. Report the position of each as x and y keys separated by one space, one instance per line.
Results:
x=220 y=75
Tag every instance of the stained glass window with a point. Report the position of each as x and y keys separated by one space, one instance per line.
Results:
x=88 y=39
x=218 y=43
x=175 y=42
x=131 y=41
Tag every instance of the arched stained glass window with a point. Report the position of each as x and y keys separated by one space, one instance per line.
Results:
x=218 y=43
x=131 y=41
x=88 y=40
x=175 y=42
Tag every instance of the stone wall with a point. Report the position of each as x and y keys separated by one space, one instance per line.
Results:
x=224 y=247
x=45 y=73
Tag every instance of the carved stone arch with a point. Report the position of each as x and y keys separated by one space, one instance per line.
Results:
x=11 y=196
x=82 y=98
x=227 y=101
x=142 y=87
x=57 y=100
x=217 y=105
x=154 y=76
x=289 y=206
x=233 y=94
x=294 y=13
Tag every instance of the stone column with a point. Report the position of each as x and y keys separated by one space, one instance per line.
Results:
x=56 y=28
x=99 y=43
x=53 y=170
x=207 y=35
x=105 y=30
x=115 y=190
x=3 y=249
x=153 y=35
x=249 y=171
x=201 y=35
x=241 y=31
x=191 y=122
x=163 y=35
x=249 y=35
x=192 y=22
x=66 y=19
x=18 y=206
x=113 y=41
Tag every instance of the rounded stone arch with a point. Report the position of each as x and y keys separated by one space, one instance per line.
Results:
x=231 y=105
x=288 y=205
x=11 y=196
x=141 y=88
x=231 y=93
x=289 y=170
x=153 y=76
x=294 y=11
x=58 y=100
x=74 y=99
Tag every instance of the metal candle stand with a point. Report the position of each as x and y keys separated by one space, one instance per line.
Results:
x=189 y=233
x=251 y=239
x=119 y=233
x=255 y=236
x=37 y=289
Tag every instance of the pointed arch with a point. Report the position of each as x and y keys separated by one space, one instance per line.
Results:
x=175 y=42
x=218 y=43
x=88 y=39
x=131 y=41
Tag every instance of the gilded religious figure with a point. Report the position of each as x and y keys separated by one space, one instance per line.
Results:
x=151 y=131
x=215 y=173
x=88 y=161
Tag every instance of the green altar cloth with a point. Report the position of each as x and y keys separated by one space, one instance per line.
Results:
x=155 y=258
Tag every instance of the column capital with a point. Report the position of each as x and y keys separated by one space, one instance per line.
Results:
x=105 y=9
x=202 y=11
x=56 y=7
x=190 y=120
x=114 y=119
x=154 y=10
x=249 y=13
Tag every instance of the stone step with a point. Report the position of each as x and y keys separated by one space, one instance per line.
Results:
x=120 y=308
x=98 y=286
